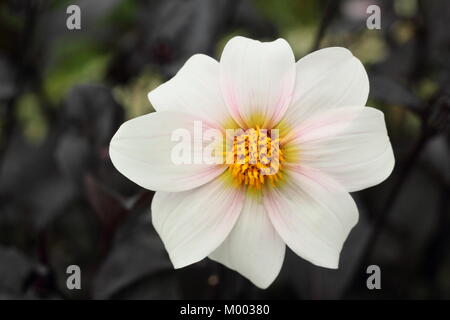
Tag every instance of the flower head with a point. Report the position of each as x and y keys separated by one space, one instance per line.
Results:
x=303 y=139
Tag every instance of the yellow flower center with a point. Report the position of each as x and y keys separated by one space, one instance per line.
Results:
x=255 y=157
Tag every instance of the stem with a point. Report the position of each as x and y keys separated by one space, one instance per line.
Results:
x=330 y=11
x=435 y=252
x=381 y=218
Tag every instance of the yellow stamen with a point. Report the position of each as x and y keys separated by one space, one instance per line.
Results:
x=255 y=155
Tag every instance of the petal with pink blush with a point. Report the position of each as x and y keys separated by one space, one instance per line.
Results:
x=253 y=248
x=349 y=144
x=142 y=151
x=313 y=214
x=194 y=223
x=326 y=79
x=257 y=80
x=195 y=89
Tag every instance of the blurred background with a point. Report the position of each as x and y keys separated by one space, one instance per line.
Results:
x=63 y=94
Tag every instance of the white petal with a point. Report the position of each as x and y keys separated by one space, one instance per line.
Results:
x=195 y=89
x=350 y=144
x=141 y=150
x=253 y=248
x=193 y=223
x=257 y=80
x=313 y=214
x=327 y=79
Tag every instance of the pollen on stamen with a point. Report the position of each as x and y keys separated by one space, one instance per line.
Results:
x=256 y=159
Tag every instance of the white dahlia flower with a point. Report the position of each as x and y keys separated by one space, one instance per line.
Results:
x=328 y=144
